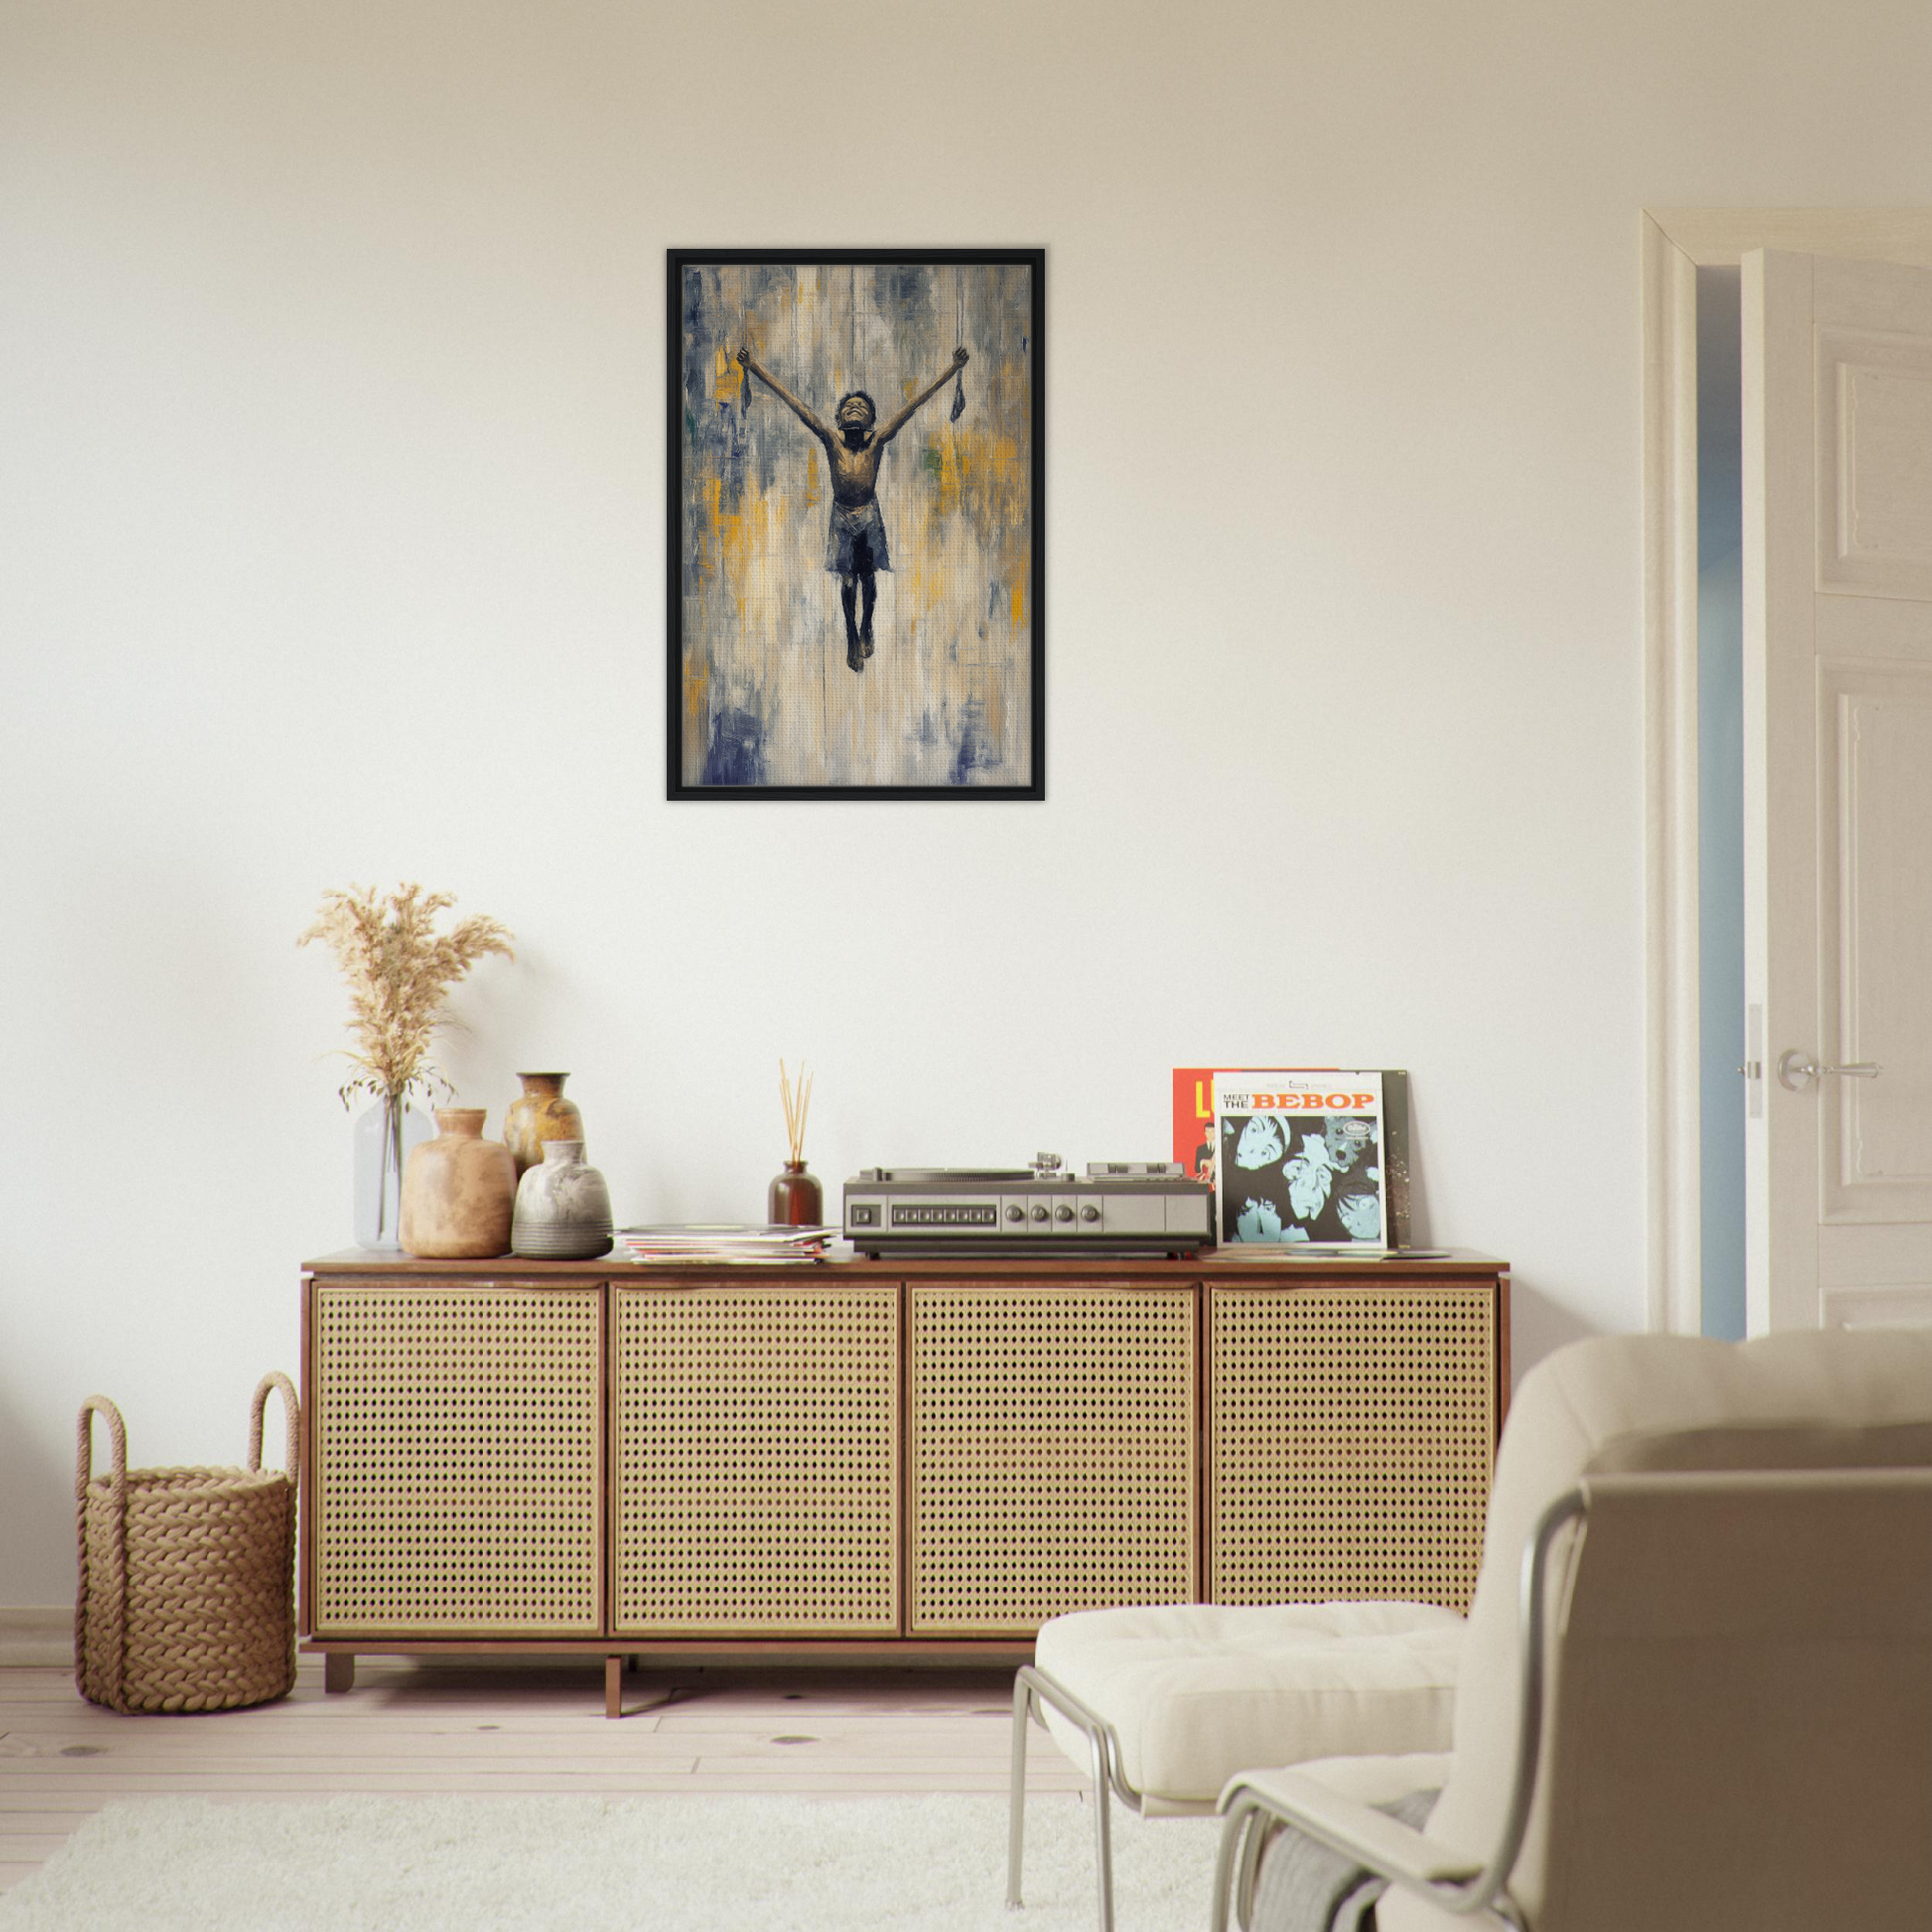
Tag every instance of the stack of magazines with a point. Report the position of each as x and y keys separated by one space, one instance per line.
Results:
x=706 y=1242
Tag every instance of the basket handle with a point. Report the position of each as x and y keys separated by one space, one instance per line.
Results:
x=113 y=1585
x=291 y=1409
x=117 y=1433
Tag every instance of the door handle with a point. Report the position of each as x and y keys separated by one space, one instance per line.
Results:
x=1797 y=1070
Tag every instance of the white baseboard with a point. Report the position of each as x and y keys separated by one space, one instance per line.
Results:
x=40 y=1635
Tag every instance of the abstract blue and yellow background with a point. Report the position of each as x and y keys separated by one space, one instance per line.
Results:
x=766 y=697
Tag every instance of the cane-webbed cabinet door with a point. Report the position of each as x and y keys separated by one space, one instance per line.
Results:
x=1052 y=1434
x=1351 y=1436
x=755 y=1432
x=458 y=1472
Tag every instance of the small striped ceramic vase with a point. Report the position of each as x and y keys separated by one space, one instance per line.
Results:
x=562 y=1208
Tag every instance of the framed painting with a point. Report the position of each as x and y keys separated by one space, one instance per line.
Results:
x=857 y=523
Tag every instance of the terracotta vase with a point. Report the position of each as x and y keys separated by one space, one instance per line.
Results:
x=459 y=1190
x=795 y=1199
x=540 y=1114
x=562 y=1208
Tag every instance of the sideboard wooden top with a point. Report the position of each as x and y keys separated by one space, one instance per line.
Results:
x=1220 y=1265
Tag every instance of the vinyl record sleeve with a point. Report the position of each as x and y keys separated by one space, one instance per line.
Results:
x=1196 y=1147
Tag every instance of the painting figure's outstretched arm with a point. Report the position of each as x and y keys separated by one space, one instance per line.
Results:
x=784 y=395
x=893 y=424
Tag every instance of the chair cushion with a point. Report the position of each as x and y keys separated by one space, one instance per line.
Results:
x=1378 y=1780
x=1199 y=1692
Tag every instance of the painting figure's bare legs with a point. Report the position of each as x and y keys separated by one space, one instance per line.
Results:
x=859 y=593
x=849 y=597
x=865 y=564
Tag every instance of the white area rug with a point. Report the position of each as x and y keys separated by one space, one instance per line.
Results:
x=765 y=1863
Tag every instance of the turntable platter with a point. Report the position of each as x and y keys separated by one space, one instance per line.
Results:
x=934 y=1176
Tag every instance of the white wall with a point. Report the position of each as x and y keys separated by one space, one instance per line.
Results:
x=332 y=449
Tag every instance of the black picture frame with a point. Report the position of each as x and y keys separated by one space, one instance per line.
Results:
x=718 y=778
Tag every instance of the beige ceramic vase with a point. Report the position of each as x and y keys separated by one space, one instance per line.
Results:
x=459 y=1190
x=540 y=1114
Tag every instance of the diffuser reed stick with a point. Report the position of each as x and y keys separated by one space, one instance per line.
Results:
x=797 y=1104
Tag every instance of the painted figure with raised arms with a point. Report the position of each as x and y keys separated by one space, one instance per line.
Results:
x=855 y=544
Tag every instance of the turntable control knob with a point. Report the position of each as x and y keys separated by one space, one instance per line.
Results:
x=1063 y=1212
x=1015 y=1212
x=1089 y=1213
x=1040 y=1214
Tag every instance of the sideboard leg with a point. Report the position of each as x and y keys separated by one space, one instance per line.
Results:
x=614 y=1687
x=339 y=1670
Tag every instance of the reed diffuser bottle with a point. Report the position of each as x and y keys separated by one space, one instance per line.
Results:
x=795 y=1199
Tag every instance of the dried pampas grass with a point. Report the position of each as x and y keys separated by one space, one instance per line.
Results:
x=398 y=969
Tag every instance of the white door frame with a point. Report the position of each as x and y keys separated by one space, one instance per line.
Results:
x=1676 y=243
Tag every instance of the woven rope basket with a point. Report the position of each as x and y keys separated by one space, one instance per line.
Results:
x=187 y=1576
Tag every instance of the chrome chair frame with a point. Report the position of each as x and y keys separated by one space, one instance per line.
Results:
x=1253 y=1815
x=1032 y=1689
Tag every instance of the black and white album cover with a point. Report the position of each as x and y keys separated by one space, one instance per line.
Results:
x=1302 y=1158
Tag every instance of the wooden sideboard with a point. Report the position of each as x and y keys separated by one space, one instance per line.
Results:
x=880 y=1459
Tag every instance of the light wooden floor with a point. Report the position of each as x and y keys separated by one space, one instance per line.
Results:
x=510 y=1729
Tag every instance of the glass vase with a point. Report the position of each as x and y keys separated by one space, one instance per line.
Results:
x=384 y=1135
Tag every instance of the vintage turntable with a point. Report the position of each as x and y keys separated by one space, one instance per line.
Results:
x=1135 y=1207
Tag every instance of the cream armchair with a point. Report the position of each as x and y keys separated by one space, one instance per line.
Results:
x=1696 y=1684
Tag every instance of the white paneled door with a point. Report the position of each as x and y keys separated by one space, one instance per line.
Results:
x=1838 y=775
